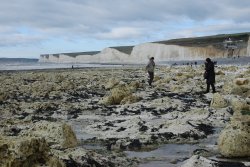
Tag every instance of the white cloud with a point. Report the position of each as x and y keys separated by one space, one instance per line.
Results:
x=19 y=39
x=119 y=19
x=121 y=33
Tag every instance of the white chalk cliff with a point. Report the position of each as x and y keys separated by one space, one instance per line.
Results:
x=188 y=49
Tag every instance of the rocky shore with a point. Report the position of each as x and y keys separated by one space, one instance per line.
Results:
x=96 y=116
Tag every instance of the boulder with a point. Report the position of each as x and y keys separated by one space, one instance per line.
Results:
x=120 y=93
x=135 y=85
x=218 y=101
x=107 y=100
x=219 y=73
x=112 y=83
x=241 y=81
x=130 y=99
x=227 y=87
x=239 y=105
x=16 y=152
x=241 y=91
x=59 y=135
x=198 y=161
x=117 y=95
x=156 y=78
x=234 y=140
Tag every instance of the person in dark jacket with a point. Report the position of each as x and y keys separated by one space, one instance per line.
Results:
x=209 y=74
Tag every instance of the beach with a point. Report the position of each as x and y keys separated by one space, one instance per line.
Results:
x=110 y=116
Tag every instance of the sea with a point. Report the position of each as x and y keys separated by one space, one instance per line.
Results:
x=18 y=64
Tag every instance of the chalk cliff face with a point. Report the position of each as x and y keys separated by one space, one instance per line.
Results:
x=248 y=47
x=164 y=52
x=110 y=55
x=189 y=49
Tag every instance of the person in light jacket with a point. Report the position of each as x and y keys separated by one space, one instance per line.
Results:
x=150 y=68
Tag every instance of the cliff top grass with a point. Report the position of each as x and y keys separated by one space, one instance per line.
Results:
x=207 y=40
x=216 y=40
x=124 y=49
x=73 y=54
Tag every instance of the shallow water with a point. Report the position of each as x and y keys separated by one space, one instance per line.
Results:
x=168 y=155
x=173 y=155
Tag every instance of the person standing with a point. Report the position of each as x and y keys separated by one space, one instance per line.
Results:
x=209 y=74
x=150 y=69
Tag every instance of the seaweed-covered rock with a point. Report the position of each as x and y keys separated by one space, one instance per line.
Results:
x=112 y=83
x=239 y=105
x=241 y=81
x=198 y=161
x=16 y=152
x=219 y=73
x=130 y=99
x=218 y=101
x=117 y=95
x=58 y=135
x=234 y=140
x=240 y=90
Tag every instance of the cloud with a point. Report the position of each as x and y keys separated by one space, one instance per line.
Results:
x=118 y=20
x=203 y=30
x=121 y=33
x=19 y=39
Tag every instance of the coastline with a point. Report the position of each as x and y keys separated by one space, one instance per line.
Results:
x=118 y=110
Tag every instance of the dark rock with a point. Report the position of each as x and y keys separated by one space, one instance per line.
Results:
x=120 y=121
x=71 y=163
x=135 y=144
x=207 y=129
x=109 y=124
x=230 y=164
x=199 y=151
x=154 y=130
x=166 y=135
x=187 y=135
x=15 y=131
x=120 y=129
x=23 y=115
x=154 y=137
x=230 y=110
x=143 y=128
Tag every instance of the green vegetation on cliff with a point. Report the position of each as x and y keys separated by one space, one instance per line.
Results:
x=216 y=40
x=124 y=49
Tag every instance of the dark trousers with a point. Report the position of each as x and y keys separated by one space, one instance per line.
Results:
x=151 y=77
x=208 y=87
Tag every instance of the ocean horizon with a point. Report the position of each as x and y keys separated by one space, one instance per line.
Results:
x=16 y=64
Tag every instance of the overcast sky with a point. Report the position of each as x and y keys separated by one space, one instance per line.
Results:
x=29 y=28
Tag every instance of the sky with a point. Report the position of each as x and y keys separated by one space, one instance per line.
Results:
x=29 y=28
